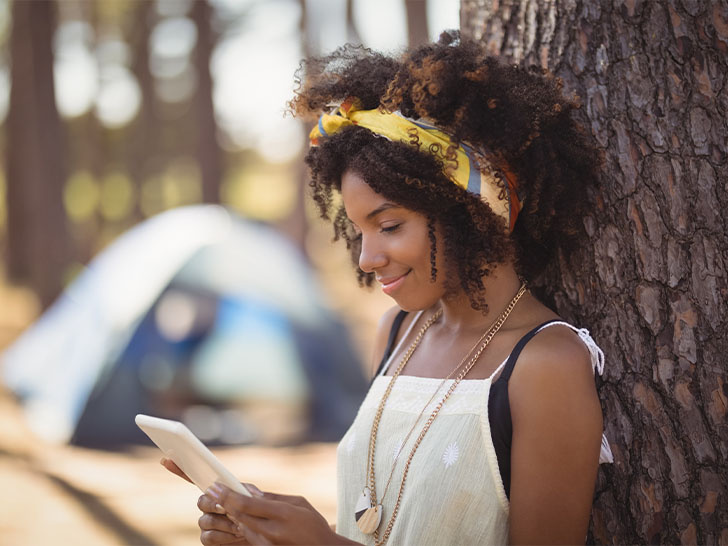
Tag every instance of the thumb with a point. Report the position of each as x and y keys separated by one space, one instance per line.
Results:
x=253 y=489
x=290 y=499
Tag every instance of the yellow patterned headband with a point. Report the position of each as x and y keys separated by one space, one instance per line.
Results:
x=460 y=166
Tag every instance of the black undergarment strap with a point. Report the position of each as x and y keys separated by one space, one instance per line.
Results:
x=499 y=410
x=390 y=342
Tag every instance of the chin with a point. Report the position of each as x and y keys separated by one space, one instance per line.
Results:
x=412 y=306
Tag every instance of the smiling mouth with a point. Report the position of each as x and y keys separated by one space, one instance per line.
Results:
x=392 y=283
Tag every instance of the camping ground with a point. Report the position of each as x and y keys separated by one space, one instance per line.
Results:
x=69 y=495
x=65 y=495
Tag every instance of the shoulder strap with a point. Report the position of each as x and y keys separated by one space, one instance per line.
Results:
x=396 y=324
x=597 y=356
x=510 y=363
x=597 y=362
x=500 y=388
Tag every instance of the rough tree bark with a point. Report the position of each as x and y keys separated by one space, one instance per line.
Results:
x=38 y=240
x=653 y=285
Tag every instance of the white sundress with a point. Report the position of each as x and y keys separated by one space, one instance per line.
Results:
x=454 y=493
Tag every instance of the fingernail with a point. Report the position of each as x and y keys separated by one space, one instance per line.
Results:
x=219 y=508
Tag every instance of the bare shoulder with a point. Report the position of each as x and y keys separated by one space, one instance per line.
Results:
x=557 y=428
x=380 y=339
x=554 y=377
x=555 y=354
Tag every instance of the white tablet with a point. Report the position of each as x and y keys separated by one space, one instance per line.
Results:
x=186 y=450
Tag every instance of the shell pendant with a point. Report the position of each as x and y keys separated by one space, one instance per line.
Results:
x=368 y=517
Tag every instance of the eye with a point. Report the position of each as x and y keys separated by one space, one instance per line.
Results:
x=390 y=229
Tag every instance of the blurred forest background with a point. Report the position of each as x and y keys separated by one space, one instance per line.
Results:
x=113 y=111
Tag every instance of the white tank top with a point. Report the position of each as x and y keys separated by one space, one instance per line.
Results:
x=454 y=493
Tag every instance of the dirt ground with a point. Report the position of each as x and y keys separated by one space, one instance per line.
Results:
x=67 y=495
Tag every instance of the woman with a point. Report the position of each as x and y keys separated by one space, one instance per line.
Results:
x=458 y=178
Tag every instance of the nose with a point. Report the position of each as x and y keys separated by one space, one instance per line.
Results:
x=371 y=256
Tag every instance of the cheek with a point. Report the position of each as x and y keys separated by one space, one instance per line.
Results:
x=419 y=254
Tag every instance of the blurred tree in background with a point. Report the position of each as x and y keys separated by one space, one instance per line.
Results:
x=416 y=22
x=122 y=109
x=207 y=148
x=38 y=244
x=139 y=132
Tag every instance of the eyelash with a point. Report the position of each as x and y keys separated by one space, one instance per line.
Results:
x=388 y=229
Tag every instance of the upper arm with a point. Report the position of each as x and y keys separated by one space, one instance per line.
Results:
x=557 y=428
x=382 y=336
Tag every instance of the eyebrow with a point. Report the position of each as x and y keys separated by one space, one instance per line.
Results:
x=381 y=208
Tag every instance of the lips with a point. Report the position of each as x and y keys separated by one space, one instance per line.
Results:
x=390 y=284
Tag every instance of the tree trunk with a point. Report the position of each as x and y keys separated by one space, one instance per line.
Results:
x=38 y=240
x=295 y=226
x=653 y=285
x=352 y=32
x=143 y=150
x=416 y=22
x=209 y=155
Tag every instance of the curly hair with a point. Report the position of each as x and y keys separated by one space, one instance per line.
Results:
x=519 y=115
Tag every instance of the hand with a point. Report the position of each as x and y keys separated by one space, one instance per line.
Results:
x=173 y=468
x=216 y=528
x=268 y=518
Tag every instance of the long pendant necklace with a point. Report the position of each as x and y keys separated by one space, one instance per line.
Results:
x=368 y=511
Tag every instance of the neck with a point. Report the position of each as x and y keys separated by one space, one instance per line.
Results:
x=500 y=288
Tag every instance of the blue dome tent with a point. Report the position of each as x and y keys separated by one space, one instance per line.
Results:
x=195 y=314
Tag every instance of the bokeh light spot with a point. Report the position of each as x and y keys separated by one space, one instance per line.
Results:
x=117 y=196
x=81 y=196
x=119 y=98
x=175 y=316
x=263 y=193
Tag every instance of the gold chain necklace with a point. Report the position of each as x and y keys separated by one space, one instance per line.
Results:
x=368 y=512
x=414 y=425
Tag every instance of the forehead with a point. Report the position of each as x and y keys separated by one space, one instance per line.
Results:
x=353 y=184
x=358 y=196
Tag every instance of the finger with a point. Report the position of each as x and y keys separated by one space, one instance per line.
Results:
x=207 y=504
x=259 y=530
x=236 y=504
x=290 y=499
x=255 y=538
x=214 y=522
x=173 y=468
x=215 y=538
x=253 y=489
